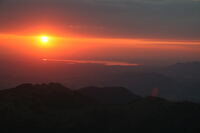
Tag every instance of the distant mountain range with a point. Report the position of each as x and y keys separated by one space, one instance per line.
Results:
x=180 y=81
x=55 y=108
x=57 y=93
x=189 y=71
x=187 y=75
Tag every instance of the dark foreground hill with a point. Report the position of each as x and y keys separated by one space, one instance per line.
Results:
x=109 y=95
x=55 y=108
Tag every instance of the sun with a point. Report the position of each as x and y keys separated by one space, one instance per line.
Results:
x=44 y=39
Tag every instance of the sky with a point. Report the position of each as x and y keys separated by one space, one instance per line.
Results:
x=131 y=31
x=168 y=19
x=91 y=37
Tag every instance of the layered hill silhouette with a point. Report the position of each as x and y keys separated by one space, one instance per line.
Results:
x=55 y=108
x=52 y=94
x=187 y=78
x=184 y=71
x=180 y=81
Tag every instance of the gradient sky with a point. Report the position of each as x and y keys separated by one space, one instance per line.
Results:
x=131 y=31
x=93 y=35
x=177 y=19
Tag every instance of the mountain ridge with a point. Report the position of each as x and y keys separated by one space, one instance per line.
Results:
x=53 y=107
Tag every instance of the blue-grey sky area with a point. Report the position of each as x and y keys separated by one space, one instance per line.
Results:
x=170 y=19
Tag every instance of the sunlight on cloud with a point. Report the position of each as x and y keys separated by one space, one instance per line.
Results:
x=106 y=63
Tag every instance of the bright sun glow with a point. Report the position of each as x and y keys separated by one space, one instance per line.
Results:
x=44 y=39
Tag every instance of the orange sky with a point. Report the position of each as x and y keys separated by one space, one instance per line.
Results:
x=112 y=41
x=97 y=48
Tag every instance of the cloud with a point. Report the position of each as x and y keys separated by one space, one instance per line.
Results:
x=106 y=63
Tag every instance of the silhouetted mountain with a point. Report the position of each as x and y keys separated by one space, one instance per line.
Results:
x=109 y=95
x=55 y=108
x=173 y=82
x=52 y=94
x=187 y=75
x=184 y=71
